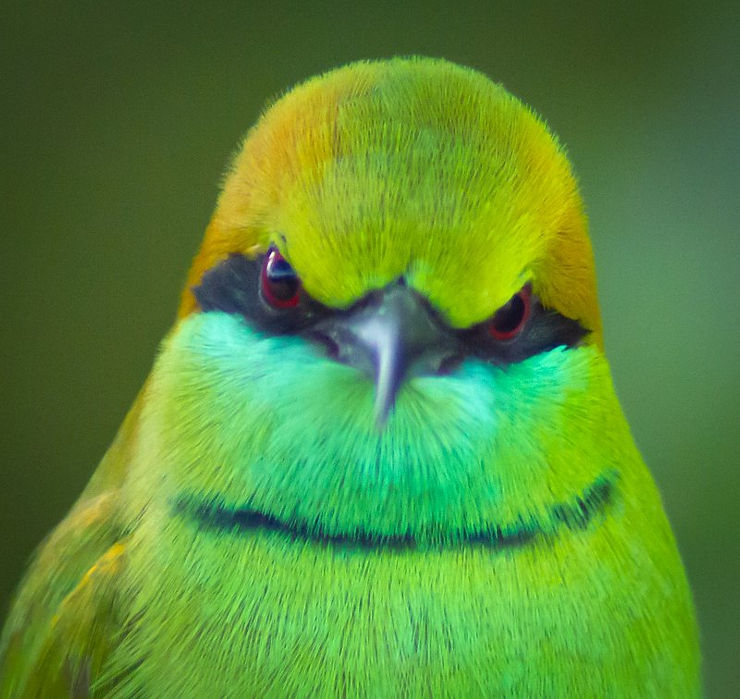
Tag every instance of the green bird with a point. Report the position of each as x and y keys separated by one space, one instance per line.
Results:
x=379 y=453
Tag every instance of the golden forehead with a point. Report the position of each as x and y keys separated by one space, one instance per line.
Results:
x=415 y=167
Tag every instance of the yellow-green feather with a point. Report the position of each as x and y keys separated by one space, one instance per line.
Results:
x=384 y=586
x=411 y=166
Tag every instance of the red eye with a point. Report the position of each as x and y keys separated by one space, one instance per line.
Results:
x=511 y=318
x=279 y=283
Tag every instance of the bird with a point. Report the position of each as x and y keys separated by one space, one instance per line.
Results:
x=380 y=452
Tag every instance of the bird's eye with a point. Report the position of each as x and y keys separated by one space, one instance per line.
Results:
x=511 y=318
x=279 y=284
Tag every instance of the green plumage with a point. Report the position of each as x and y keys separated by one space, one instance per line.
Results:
x=252 y=532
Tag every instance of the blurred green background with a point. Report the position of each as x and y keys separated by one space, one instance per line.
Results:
x=119 y=119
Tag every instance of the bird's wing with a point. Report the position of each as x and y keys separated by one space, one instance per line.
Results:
x=65 y=615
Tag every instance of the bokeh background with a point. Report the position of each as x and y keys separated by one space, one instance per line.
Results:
x=117 y=124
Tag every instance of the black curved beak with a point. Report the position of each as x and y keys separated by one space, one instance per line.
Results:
x=390 y=335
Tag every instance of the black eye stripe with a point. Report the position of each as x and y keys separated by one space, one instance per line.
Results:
x=229 y=286
x=543 y=330
x=233 y=286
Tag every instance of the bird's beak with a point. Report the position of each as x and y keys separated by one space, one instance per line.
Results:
x=390 y=334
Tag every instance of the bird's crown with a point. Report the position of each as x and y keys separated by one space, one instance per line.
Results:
x=413 y=168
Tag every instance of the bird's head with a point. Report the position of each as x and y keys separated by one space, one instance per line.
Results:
x=390 y=334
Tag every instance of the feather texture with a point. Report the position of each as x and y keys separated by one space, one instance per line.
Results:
x=252 y=532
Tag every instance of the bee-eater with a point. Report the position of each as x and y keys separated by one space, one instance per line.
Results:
x=379 y=453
